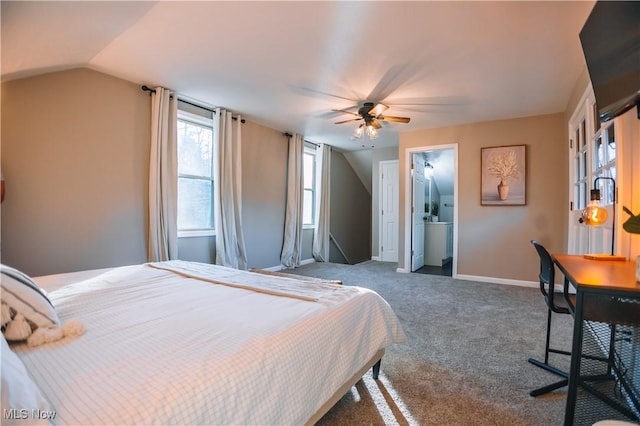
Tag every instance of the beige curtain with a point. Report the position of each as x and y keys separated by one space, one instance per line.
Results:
x=323 y=187
x=230 y=247
x=292 y=247
x=163 y=178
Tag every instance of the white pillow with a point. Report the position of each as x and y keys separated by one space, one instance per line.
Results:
x=21 y=397
x=22 y=294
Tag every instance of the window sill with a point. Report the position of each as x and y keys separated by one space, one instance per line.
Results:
x=308 y=227
x=197 y=233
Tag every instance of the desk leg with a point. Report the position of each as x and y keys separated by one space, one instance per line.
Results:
x=576 y=355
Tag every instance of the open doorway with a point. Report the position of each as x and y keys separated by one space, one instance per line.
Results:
x=432 y=205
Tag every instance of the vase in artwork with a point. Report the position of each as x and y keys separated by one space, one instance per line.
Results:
x=503 y=191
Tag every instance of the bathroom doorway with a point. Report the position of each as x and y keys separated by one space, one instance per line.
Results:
x=432 y=201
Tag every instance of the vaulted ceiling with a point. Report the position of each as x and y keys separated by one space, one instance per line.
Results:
x=288 y=65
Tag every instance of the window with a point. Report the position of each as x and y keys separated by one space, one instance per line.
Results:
x=604 y=159
x=309 y=170
x=195 y=175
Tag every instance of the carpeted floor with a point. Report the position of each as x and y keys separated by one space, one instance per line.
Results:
x=465 y=361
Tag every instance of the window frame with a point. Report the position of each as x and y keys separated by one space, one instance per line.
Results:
x=310 y=150
x=604 y=164
x=198 y=120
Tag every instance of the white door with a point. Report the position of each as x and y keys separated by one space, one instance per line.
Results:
x=417 y=213
x=389 y=211
x=580 y=131
x=592 y=155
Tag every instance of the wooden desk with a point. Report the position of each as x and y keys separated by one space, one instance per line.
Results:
x=606 y=292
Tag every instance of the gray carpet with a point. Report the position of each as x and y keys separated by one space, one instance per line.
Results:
x=465 y=361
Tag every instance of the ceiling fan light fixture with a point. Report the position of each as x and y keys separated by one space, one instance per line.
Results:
x=372 y=116
x=359 y=131
x=372 y=132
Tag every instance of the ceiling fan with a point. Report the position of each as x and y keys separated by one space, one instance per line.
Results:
x=372 y=116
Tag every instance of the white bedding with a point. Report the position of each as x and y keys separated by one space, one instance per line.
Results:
x=160 y=348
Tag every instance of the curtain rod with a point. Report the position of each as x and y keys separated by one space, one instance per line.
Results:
x=289 y=136
x=149 y=89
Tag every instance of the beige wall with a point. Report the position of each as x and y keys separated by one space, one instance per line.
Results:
x=493 y=241
x=350 y=214
x=264 y=193
x=264 y=171
x=75 y=148
x=75 y=158
x=75 y=155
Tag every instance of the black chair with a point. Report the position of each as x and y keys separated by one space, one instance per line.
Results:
x=555 y=304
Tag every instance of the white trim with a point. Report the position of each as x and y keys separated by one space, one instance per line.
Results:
x=197 y=233
x=312 y=151
x=375 y=258
x=208 y=123
x=273 y=268
x=407 y=203
x=493 y=280
x=194 y=118
x=280 y=267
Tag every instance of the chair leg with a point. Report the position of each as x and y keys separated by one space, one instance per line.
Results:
x=545 y=365
x=549 y=388
x=546 y=346
x=548 y=368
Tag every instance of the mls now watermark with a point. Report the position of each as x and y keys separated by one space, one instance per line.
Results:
x=24 y=414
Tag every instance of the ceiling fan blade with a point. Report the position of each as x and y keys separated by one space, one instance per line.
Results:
x=394 y=119
x=346 y=112
x=377 y=110
x=376 y=124
x=428 y=101
x=347 y=121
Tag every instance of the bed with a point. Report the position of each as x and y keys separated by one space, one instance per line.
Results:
x=190 y=343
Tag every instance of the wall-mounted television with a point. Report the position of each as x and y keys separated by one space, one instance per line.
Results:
x=611 y=44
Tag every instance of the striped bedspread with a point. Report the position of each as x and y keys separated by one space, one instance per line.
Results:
x=165 y=344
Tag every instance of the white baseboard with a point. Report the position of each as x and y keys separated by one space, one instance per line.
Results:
x=494 y=280
x=280 y=267
x=479 y=278
x=273 y=268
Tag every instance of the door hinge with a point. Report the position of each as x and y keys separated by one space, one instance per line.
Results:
x=570 y=206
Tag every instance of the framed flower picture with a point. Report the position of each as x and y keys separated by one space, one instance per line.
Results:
x=503 y=175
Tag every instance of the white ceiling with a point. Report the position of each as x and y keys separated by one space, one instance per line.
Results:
x=287 y=65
